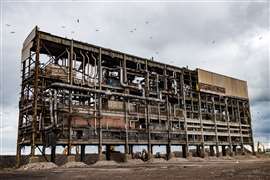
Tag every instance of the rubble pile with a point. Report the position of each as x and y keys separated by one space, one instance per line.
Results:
x=38 y=166
x=105 y=163
x=74 y=165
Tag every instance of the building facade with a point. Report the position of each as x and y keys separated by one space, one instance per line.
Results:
x=78 y=94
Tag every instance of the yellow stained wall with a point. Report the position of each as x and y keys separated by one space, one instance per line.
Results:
x=233 y=87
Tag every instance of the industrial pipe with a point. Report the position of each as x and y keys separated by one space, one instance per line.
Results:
x=68 y=86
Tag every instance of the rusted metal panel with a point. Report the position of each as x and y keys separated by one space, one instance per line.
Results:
x=115 y=105
x=106 y=122
x=220 y=84
x=26 y=51
x=30 y=37
x=28 y=44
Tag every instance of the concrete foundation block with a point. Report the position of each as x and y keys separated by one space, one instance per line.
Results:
x=189 y=154
x=204 y=154
x=170 y=155
x=219 y=154
x=71 y=158
x=34 y=159
x=243 y=153
x=101 y=157
x=212 y=154
x=127 y=157
x=150 y=156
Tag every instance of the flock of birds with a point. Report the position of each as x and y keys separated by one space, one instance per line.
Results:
x=133 y=30
x=97 y=30
x=11 y=32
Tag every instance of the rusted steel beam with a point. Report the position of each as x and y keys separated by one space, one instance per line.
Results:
x=36 y=91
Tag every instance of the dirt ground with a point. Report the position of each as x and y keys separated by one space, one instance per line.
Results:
x=258 y=169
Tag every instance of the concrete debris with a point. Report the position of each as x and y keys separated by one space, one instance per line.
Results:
x=250 y=157
x=75 y=165
x=212 y=158
x=38 y=166
x=157 y=160
x=175 y=160
x=105 y=163
x=196 y=159
x=227 y=158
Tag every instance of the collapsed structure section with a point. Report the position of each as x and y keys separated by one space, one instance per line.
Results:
x=78 y=94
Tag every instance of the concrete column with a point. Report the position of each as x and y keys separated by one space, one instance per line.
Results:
x=108 y=152
x=185 y=151
x=218 y=154
x=127 y=153
x=82 y=155
x=212 y=152
x=242 y=150
x=53 y=148
x=234 y=150
x=150 y=151
x=100 y=155
x=168 y=151
x=203 y=153
x=18 y=156
x=223 y=150
x=43 y=151
x=198 y=151
x=253 y=150
x=131 y=149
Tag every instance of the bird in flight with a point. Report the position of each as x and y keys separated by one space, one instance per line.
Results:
x=260 y=38
x=12 y=32
x=63 y=27
x=8 y=25
x=131 y=31
x=97 y=30
x=78 y=21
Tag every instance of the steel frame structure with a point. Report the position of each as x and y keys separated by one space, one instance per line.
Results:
x=78 y=94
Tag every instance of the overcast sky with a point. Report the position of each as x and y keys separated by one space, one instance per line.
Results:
x=228 y=38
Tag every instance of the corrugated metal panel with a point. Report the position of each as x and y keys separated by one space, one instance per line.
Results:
x=214 y=83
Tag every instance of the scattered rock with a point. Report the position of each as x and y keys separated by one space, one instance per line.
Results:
x=227 y=158
x=105 y=163
x=38 y=166
x=157 y=160
x=212 y=158
x=175 y=160
x=74 y=165
x=197 y=159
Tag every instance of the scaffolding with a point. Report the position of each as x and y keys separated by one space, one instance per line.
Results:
x=77 y=94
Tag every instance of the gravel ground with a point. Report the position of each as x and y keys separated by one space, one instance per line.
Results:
x=258 y=169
